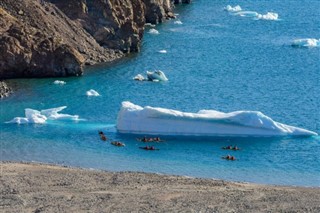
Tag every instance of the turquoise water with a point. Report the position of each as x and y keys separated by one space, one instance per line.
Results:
x=214 y=61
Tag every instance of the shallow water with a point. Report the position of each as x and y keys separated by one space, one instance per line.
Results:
x=214 y=60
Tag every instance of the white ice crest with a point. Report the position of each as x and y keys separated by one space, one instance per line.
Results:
x=92 y=93
x=40 y=117
x=134 y=119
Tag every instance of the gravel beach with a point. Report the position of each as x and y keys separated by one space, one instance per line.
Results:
x=30 y=187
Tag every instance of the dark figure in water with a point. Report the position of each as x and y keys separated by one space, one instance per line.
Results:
x=117 y=143
x=148 y=148
x=102 y=136
x=228 y=157
x=231 y=148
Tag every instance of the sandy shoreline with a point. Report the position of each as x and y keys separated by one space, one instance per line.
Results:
x=29 y=187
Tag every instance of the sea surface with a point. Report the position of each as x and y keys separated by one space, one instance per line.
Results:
x=214 y=60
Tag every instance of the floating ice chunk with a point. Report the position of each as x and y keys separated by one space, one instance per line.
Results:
x=153 y=31
x=92 y=93
x=40 y=117
x=229 y=8
x=139 y=77
x=268 y=16
x=135 y=119
x=149 y=24
x=177 y=22
x=306 y=42
x=58 y=82
x=53 y=114
x=156 y=76
x=162 y=51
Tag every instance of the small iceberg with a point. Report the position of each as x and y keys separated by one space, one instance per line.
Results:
x=58 y=82
x=177 y=22
x=268 y=16
x=162 y=51
x=134 y=119
x=153 y=31
x=306 y=42
x=139 y=77
x=40 y=117
x=92 y=93
x=155 y=76
x=229 y=8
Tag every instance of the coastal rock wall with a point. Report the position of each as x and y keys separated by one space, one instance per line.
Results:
x=38 y=40
x=50 y=38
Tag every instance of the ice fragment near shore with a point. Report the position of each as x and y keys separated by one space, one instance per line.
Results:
x=153 y=31
x=135 y=119
x=92 y=93
x=40 y=117
x=58 y=82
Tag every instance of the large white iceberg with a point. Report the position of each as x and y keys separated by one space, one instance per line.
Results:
x=40 y=117
x=134 y=119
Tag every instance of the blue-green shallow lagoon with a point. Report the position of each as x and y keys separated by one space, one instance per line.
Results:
x=214 y=61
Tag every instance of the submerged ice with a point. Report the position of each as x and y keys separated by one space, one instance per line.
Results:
x=135 y=119
x=40 y=117
x=237 y=10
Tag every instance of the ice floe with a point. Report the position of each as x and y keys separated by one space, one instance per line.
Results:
x=237 y=11
x=92 y=93
x=154 y=76
x=162 y=51
x=178 y=22
x=139 y=77
x=134 y=119
x=268 y=16
x=306 y=42
x=153 y=31
x=232 y=9
x=58 y=82
x=40 y=117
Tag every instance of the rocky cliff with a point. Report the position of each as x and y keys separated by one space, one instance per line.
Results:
x=50 y=38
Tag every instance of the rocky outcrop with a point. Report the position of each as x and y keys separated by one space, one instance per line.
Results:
x=38 y=40
x=4 y=89
x=49 y=38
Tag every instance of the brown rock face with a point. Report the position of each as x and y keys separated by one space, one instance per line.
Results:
x=38 y=40
x=42 y=39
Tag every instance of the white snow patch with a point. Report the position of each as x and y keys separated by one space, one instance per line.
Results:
x=135 y=119
x=40 y=117
x=92 y=93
